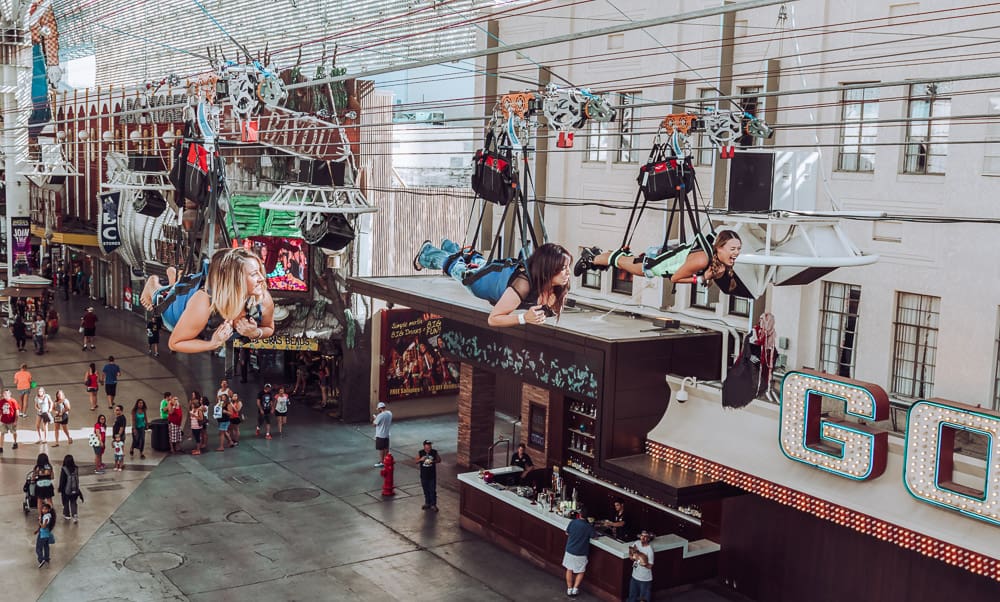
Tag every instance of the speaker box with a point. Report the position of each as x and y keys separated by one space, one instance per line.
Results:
x=751 y=181
x=333 y=233
x=150 y=203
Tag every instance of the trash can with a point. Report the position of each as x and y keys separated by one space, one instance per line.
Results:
x=161 y=435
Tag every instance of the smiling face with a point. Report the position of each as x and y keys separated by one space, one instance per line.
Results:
x=254 y=275
x=727 y=247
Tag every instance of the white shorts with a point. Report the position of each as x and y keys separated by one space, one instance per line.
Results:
x=575 y=564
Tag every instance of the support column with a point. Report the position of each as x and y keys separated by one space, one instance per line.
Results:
x=720 y=179
x=476 y=415
x=551 y=403
x=489 y=100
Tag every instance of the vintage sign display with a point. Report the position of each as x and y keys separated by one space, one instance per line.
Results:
x=860 y=452
x=108 y=223
x=20 y=231
x=280 y=342
x=413 y=363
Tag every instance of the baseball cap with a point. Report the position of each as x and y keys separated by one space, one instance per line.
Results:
x=380 y=405
x=90 y=309
x=267 y=385
x=428 y=442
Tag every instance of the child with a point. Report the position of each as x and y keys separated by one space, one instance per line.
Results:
x=45 y=523
x=236 y=280
x=119 y=447
x=196 y=422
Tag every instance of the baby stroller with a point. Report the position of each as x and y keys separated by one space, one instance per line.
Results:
x=30 y=501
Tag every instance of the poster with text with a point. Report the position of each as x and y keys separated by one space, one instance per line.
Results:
x=412 y=363
x=20 y=230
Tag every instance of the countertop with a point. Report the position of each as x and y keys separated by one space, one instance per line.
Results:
x=612 y=546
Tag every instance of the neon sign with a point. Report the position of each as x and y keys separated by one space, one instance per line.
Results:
x=859 y=451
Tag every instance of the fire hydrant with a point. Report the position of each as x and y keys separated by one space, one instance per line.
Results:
x=388 y=487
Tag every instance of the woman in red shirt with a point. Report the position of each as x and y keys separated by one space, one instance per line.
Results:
x=101 y=431
x=90 y=380
x=175 y=421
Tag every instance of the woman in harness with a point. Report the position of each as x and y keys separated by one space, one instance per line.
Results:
x=539 y=287
x=232 y=287
x=686 y=263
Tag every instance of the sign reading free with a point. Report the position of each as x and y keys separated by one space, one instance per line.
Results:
x=859 y=451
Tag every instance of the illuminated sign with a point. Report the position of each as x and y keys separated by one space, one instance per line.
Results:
x=858 y=451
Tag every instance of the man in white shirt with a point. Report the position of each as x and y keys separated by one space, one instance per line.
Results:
x=382 y=419
x=641 y=554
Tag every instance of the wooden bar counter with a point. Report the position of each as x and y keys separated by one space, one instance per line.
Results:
x=523 y=528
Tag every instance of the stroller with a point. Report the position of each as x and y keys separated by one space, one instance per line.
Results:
x=30 y=501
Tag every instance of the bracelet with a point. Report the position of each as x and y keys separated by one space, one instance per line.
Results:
x=520 y=319
x=260 y=333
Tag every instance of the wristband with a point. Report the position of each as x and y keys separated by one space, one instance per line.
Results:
x=520 y=319
x=694 y=279
x=260 y=333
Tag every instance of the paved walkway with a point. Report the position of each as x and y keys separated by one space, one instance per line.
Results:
x=299 y=517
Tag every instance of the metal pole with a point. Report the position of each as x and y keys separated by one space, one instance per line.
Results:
x=15 y=105
x=570 y=37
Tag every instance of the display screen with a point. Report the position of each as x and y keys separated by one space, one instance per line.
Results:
x=286 y=261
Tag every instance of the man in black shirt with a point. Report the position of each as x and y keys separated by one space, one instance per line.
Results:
x=523 y=460
x=428 y=459
x=120 y=424
x=153 y=327
x=265 y=404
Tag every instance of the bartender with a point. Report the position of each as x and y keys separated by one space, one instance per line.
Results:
x=617 y=524
x=522 y=460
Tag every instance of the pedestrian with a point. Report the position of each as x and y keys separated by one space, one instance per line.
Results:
x=52 y=322
x=139 y=412
x=118 y=446
x=38 y=332
x=153 y=327
x=110 y=374
x=163 y=404
x=88 y=325
x=23 y=384
x=223 y=389
x=195 y=416
x=577 y=548
x=120 y=425
x=69 y=487
x=97 y=441
x=46 y=521
x=20 y=331
x=323 y=375
x=8 y=417
x=235 y=419
x=382 y=419
x=42 y=474
x=222 y=412
x=428 y=459
x=281 y=409
x=91 y=381
x=60 y=417
x=43 y=409
x=175 y=424
x=265 y=404
x=640 y=587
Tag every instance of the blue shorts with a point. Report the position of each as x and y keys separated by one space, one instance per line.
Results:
x=223 y=426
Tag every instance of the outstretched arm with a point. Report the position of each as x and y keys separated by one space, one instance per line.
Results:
x=504 y=312
x=696 y=261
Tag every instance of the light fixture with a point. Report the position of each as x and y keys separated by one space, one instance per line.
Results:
x=682 y=395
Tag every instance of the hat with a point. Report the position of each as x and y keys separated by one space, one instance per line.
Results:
x=380 y=405
x=267 y=385
x=428 y=442
x=90 y=309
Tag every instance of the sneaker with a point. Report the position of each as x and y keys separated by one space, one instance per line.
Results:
x=575 y=591
x=76 y=519
x=434 y=508
x=65 y=517
x=92 y=347
x=142 y=456
x=416 y=258
x=268 y=436
x=41 y=563
x=257 y=432
x=14 y=446
x=569 y=591
x=84 y=347
x=586 y=261
x=379 y=465
x=424 y=507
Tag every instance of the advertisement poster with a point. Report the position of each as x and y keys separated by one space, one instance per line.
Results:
x=108 y=222
x=20 y=230
x=286 y=261
x=412 y=362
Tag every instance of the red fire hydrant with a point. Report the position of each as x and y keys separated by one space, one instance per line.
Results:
x=388 y=487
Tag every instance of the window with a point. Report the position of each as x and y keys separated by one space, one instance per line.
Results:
x=927 y=132
x=616 y=140
x=991 y=163
x=740 y=306
x=754 y=107
x=705 y=154
x=621 y=281
x=838 y=328
x=859 y=111
x=704 y=297
x=914 y=353
x=591 y=279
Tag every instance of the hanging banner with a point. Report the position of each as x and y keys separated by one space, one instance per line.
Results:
x=108 y=222
x=280 y=343
x=20 y=230
x=412 y=363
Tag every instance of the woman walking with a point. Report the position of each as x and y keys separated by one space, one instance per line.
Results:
x=69 y=487
x=90 y=380
x=138 y=429
x=60 y=415
x=97 y=442
x=175 y=424
x=236 y=417
x=42 y=475
x=196 y=416
x=20 y=331
x=222 y=412
x=43 y=409
x=281 y=409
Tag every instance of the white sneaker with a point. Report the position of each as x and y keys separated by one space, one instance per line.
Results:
x=569 y=591
x=575 y=591
x=379 y=465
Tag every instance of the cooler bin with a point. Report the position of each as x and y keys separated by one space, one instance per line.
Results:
x=161 y=435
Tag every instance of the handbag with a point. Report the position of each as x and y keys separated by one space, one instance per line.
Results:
x=81 y=330
x=52 y=537
x=494 y=177
x=95 y=440
x=665 y=176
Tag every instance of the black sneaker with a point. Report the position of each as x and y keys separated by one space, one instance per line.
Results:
x=416 y=258
x=14 y=446
x=586 y=261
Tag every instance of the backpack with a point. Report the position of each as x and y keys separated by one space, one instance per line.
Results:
x=7 y=413
x=72 y=483
x=217 y=411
